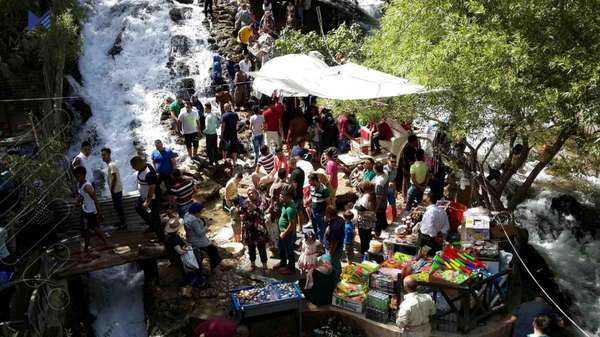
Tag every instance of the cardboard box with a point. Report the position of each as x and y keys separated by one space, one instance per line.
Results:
x=476 y=228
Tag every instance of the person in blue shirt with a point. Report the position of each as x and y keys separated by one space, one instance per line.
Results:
x=164 y=163
x=349 y=234
x=525 y=314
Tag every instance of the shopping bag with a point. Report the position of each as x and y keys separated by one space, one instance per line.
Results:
x=189 y=260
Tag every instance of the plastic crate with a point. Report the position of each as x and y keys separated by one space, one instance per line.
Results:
x=377 y=315
x=378 y=300
x=384 y=283
x=267 y=307
x=393 y=315
x=357 y=307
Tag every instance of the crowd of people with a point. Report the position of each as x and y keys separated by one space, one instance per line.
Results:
x=291 y=187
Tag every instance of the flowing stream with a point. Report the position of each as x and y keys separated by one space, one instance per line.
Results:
x=574 y=257
x=116 y=298
x=134 y=55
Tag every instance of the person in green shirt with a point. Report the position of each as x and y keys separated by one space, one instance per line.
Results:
x=176 y=106
x=419 y=178
x=287 y=229
x=368 y=173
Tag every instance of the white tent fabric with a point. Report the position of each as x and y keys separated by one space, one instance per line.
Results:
x=301 y=75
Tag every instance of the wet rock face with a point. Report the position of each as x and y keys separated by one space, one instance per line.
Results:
x=179 y=68
x=180 y=45
x=186 y=87
x=186 y=2
x=178 y=14
x=116 y=48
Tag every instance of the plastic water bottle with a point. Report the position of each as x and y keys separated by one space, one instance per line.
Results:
x=365 y=257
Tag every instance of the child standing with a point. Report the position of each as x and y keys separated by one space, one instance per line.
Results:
x=349 y=234
x=308 y=258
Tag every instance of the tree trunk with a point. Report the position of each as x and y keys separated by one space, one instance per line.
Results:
x=551 y=152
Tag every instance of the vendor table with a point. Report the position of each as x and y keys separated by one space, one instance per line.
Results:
x=267 y=299
x=461 y=307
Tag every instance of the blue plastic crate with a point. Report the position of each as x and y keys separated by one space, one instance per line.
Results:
x=267 y=307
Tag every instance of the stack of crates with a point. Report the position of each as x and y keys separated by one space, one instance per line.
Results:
x=389 y=286
x=378 y=306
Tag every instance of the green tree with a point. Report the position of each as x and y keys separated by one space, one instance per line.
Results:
x=345 y=40
x=515 y=72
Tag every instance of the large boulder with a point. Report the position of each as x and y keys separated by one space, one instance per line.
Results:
x=233 y=250
x=178 y=14
x=207 y=190
x=180 y=45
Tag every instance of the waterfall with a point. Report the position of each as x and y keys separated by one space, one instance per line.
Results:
x=116 y=297
x=134 y=55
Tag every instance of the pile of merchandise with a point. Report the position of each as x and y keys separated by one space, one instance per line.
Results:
x=267 y=293
x=351 y=291
x=375 y=289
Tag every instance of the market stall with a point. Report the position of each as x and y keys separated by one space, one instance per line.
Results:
x=469 y=279
x=265 y=299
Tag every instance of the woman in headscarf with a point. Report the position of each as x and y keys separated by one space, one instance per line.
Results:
x=254 y=229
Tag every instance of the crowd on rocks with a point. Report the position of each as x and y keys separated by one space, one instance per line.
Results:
x=284 y=190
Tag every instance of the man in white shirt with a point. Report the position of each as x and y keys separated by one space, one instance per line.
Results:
x=84 y=159
x=115 y=186
x=257 y=124
x=188 y=123
x=415 y=311
x=434 y=225
x=245 y=64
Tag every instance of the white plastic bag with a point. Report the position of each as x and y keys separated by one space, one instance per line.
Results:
x=189 y=260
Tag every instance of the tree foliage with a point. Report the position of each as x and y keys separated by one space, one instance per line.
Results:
x=517 y=72
x=345 y=40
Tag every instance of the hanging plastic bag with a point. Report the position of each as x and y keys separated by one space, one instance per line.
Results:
x=189 y=260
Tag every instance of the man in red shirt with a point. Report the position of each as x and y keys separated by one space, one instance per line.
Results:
x=220 y=328
x=273 y=125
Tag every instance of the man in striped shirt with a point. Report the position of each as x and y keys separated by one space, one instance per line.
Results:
x=182 y=192
x=266 y=175
x=319 y=194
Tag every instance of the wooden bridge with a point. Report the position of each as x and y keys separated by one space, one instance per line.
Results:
x=130 y=245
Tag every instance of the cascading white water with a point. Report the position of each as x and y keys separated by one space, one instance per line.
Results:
x=574 y=261
x=125 y=90
x=116 y=298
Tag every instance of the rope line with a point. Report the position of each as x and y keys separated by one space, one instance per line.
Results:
x=583 y=332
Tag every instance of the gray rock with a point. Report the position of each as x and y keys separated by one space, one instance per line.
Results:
x=180 y=45
x=116 y=47
x=187 y=2
x=178 y=14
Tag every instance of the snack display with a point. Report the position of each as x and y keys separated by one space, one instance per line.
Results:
x=267 y=293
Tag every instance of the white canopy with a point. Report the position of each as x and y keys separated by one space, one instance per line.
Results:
x=302 y=75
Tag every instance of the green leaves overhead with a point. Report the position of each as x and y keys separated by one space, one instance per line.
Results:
x=345 y=40
x=534 y=61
